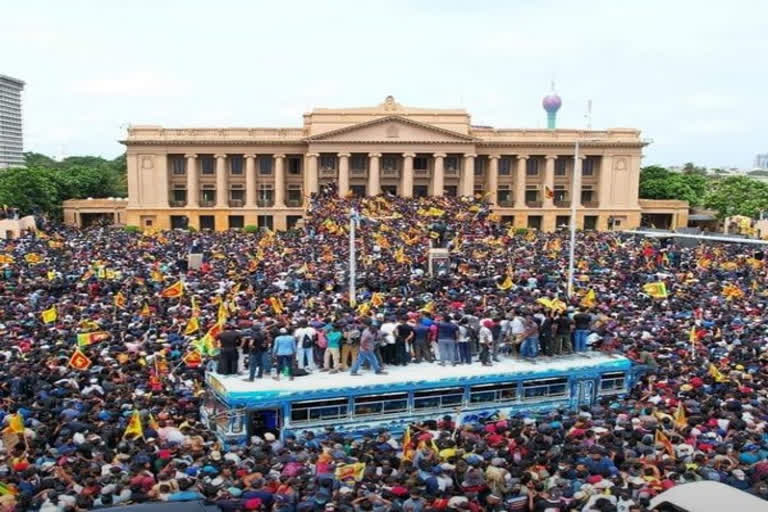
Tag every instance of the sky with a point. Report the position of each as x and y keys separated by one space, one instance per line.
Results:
x=690 y=74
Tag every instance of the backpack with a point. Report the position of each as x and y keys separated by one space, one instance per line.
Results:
x=306 y=341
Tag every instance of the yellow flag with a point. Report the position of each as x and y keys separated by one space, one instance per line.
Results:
x=363 y=308
x=377 y=299
x=16 y=423
x=193 y=325
x=715 y=373
x=731 y=291
x=589 y=300
x=429 y=307
x=145 y=311
x=222 y=314
x=50 y=315
x=680 y=420
x=51 y=275
x=134 y=426
x=354 y=471
x=506 y=284
x=32 y=258
x=152 y=423
x=657 y=290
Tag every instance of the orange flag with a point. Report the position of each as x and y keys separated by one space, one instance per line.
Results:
x=174 y=291
x=79 y=361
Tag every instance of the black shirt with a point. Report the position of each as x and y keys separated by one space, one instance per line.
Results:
x=582 y=321
x=229 y=340
x=403 y=331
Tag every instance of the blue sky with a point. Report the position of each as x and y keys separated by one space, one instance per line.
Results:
x=690 y=75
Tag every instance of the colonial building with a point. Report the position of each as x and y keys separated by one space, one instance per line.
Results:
x=220 y=178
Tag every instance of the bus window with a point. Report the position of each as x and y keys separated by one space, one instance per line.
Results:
x=611 y=383
x=543 y=389
x=381 y=404
x=438 y=398
x=504 y=392
x=318 y=410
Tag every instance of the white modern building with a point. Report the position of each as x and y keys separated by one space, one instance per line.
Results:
x=11 y=133
x=761 y=161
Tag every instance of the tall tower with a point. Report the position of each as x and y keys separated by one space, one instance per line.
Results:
x=551 y=104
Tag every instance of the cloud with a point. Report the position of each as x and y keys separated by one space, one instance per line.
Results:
x=140 y=84
x=710 y=101
x=715 y=127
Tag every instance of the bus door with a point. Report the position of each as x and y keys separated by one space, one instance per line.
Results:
x=585 y=391
x=266 y=420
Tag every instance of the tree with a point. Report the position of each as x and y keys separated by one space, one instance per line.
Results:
x=31 y=189
x=689 y=168
x=737 y=195
x=656 y=182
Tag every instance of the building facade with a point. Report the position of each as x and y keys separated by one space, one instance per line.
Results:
x=221 y=178
x=761 y=161
x=11 y=133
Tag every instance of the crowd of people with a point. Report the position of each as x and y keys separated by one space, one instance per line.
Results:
x=106 y=335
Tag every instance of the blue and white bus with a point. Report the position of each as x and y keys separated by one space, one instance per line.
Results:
x=236 y=409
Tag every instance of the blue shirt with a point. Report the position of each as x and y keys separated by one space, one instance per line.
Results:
x=447 y=331
x=285 y=345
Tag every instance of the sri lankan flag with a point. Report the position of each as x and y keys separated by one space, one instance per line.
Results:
x=657 y=290
x=223 y=314
x=277 y=305
x=664 y=441
x=353 y=471
x=174 y=291
x=589 y=300
x=79 y=361
x=193 y=359
x=193 y=325
x=134 y=428
x=680 y=420
x=506 y=284
x=715 y=373
x=377 y=299
x=49 y=315
x=89 y=338
x=119 y=300
x=145 y=311
x=731 y=291
x=408 y=449
x=16 y=424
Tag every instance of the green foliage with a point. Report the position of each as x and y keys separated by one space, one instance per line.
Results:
x=44 y=183
x=132 y=229
x=737 y=195
x=659 y=183
x=250 y=228
x=758 y=173
x=521 y=231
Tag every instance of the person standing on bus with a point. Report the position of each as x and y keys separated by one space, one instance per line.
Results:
x=305 y=337
x=485 y=339
x=581 y=323
x=562 y=344
x=285 y=350
x=230 y=339
x=421 y=347
x=403 y=338
x=462 y=342
x=447 y=333
x=257 y=348
x=367 y=348
x=332 y=351
x=351 y=343
x=530 y=346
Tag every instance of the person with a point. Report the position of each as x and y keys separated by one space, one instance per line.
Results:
x=581 y=323
x=366 y=353
x=387 y=341
x=562 y=339
x=462 y=342
x=332 y=356
x=230 y=340
x=544 y=321
x=351 y=344
x=258 y=353
x=305 y=336
x=485 y=339
x=403 y=340
x=422 y=350
x=529 y=349
x=285 y=350
x=447 y=332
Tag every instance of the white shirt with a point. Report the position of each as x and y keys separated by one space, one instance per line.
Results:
x=388 y=332
x=301 y=332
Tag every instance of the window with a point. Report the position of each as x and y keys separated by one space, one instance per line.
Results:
x=531 y=195
x=179 y=195
x=265 y=165
x=265 y=221
x=562 y=221
x=293 y=196
x=207 y=222
x=503 y=392
x=357 y=163
x=560 y=194
x=588 y=166
x=236 y=164
x=178 y=165
x=451 y=164
x=534 y=222
x=265 y=194
x=318 y=410
x=560 y=164
x=291 y=221
x=237 y=194
x=611 y=383
x=236 y=222
x=587 y=194
x=380 y=404
x=207 y=165
x=438 y=398
x=479 y=166
x=532 y=167
x=545 y=389
x=505 y=166
x=420 y=163
x=328 y=163
x=450 y=191
x=294 y=166
x=388 y=163
x=590 y=222
x=504 y=195
x=208 y=196
x=359 y=190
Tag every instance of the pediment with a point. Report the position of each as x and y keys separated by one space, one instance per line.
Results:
x=391 y=129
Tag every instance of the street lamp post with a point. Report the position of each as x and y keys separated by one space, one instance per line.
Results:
x=572 y=245
x=353 y=220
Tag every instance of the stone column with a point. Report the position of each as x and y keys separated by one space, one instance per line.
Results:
x=520 y=181
x=438 y=174
x=374 y=181
x=576 y=192
x=606 y=172
x=279 y=181
x=221 y=181
x=468 y=176
x=193 y=181
x=493 y=179
x=312 y=178
x=406 y=180
x=549 y=181
x=250 y=181
x=343 y=184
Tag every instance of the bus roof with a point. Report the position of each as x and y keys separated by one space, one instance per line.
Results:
x=709 y=496
x=238 y=392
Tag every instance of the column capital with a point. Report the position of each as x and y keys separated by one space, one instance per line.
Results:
x=582 y=157
x=278 y=156
x=220 y=155
x=470 y=155
x=190 y=155
x=313 y=155
x=494 y=157
x=523 y=157
x=439 y=155
x=409 y=154
x=343 y=155
x=374 y=155
x=249 y=155
x=551 y=157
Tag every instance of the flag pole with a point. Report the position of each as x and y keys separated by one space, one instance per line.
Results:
x=572 y=245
